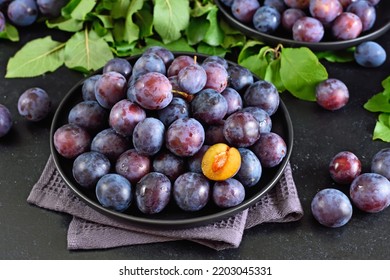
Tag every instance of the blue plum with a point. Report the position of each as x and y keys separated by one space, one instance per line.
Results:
x=114 y=191
x=331 y=208
x=191 y=191
x=370 y=54
x=332 y=94
x=89 y=167
x=185 y=137
x=209 y=106
x=264 y=95
x=380 y=163
x=110 y=88
x=251 y=170
x=241 y=129
x=124 y=116
x=88 y=87
x=346 y=26
x=169 y=164
x=239 y=77
x=132 y=165
x=5 y=120
x=71 y=140
x=344 y=167
x=177 y=109
x=308 y=29
x=89 y=115
x=192 y=78
x=266 y=19
x=119 y=65
x=370 y=192
x=34 y=104
x=23 y=12
x=153 y=193
x=228 y=193
x=270 y=149
x=148 y=136
x=110 y=143
x=243 y=10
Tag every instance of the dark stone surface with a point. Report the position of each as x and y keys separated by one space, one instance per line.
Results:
x=28 y=232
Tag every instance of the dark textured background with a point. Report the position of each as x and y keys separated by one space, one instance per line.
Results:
x=28 y=232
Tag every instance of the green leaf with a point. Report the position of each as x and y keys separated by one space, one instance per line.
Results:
x=386 y=84
x=380 y=102
x=301 y=71
x=131 y=29
x=105 y=20
x=196 y=30
x=211 y=50
x=176 y=46
x=86 y=51
x=257 y=63
x=201 y=9
x=119 y=8
x=337 y=56
x=124 y=49
x=214 y=35
x=78 y=9
x=233 y=38
x=144 y=20
x=382 y=128
x=251 y=48
x=35 y=58
x=272 y=74
x=65 y=24
x=10 y=33
x=170 y=18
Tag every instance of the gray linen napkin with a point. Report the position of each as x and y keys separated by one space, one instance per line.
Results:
x=90 y=229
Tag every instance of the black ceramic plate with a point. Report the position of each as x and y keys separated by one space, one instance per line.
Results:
x=382 y=25
x=172 y=216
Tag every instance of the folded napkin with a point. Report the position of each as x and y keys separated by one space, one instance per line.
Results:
x=90 y=229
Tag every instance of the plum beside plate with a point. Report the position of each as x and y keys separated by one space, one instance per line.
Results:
x=381 y=26
x=172 y=216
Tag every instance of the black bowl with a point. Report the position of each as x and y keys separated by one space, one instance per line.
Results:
x=172 y=216
x=381 y=26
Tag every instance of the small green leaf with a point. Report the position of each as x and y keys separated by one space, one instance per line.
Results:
x=105 y=20
x=211 y=50
x=119 y=8
x=131 y=29
x=382 y=128
x=65 y=24
x=252 y=47
x=170 y=18
x=180 y=45
x=301 y=71
x=10 y=33
x=78 y=9
x=272 y=75
x=196 y=30
x=380 y=102
x=233 y=38
x=144 y=19
x=214 y=35
x=86 y=51
x=257 y=63
x=201 y=8
x=337 y=56
x=124 y=49
x=35 y=58
x=386 y=84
